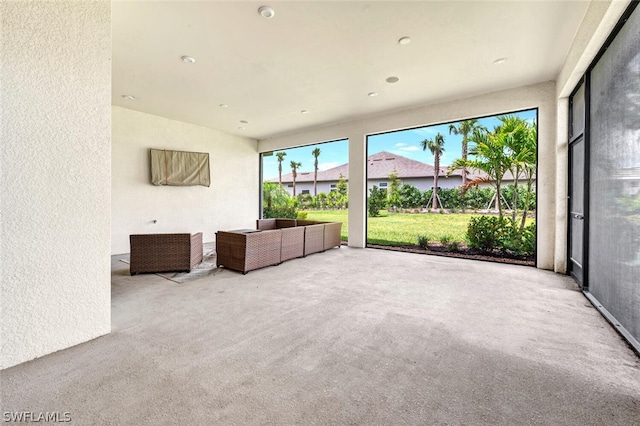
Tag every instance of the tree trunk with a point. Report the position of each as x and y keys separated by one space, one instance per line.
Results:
x=526 y=203
x=498 y=196
x=515 y=195
x=464 y=157
x=435 y=181
x=294 y=183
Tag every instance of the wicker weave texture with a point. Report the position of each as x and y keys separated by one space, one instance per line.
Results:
x=246 y=252
x=265 y=224
x=332 y=236
x=286 y=223
x=164 y=252
x=292 y=243
x=313 y=238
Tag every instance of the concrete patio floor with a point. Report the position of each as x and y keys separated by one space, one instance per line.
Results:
x=350 y=336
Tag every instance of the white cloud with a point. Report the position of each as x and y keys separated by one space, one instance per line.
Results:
x=328 y=165
x=425 y=131
x=400 y=144
x=410 y=148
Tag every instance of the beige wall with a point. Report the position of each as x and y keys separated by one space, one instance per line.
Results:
x=231 y=202
x=541 y=96
x=56 y=154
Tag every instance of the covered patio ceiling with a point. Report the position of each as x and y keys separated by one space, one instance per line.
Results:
x=320 y=62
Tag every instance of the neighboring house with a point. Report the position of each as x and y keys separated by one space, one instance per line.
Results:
x=379 y=167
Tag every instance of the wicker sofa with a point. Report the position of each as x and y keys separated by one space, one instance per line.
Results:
x=273 y=242
x=164 y=252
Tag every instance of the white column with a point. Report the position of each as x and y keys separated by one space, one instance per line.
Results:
x=357 y=189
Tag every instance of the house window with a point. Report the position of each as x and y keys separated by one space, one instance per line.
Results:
x=333 y=187
x=290 y=185
x=383 y=184
x=305 y=191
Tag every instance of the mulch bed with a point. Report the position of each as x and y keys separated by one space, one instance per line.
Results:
x=463 y=253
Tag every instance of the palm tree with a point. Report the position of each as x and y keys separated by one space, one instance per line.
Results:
x=515 y=131
x=464 y=128
x=294 y=173
x=280 y=156
x=436 y=146
x=523 y=145
x=316 y=154
x=491 y=156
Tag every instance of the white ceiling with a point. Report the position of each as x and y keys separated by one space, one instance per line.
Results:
x=326 y=56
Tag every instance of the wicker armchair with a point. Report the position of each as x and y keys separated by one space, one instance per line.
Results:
x=164 y=252
x=332 y=237
x=313 y=238
x=266 y=224
x=245 y=252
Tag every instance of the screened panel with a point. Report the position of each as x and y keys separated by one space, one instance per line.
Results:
x=577 y=204
x=577 y=112
x=614 y=187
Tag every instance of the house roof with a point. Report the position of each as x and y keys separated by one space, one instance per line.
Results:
x=379 y=166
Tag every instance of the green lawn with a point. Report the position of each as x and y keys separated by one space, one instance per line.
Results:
x=403 y=228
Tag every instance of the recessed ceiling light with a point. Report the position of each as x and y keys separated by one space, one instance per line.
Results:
x=188 y=59
x=372 y=94
x=404 y=40
x=392 y=79
x=500 y=61
x=304 y=111
x=223 y=106
x=244 y=121
x=240 y=128
x=266 y=12
x=129 y=97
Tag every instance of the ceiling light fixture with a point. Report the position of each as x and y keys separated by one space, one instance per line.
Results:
x=404 y=40
x=266 y=12
x=240 y=128
x=372 y=94
x=304 y=111
x=188 y=59
x=223 y=106
x=129 y=97
x=392 y=79
x=500 y=61
x=244 y=121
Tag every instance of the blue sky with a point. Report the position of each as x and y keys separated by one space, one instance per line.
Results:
x=402 y=142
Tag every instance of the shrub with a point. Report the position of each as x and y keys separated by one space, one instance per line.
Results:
x=519 y=243
x=302 y=215
x=488 y=233
x=445 y=239
x=485 y=232
x=410 y=196
x=478 y=198
x=423 y=241
x=376 y=201
x=288 y=212
x=453 y=246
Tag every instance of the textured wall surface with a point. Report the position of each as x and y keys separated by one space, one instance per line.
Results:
x=55 y=212
x=541 y=96
x=231 y=202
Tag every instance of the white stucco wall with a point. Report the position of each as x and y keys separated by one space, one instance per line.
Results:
x=231 y=202
x=542 y=96
x=55 y=209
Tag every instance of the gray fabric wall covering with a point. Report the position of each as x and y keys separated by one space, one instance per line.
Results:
x=179 y=168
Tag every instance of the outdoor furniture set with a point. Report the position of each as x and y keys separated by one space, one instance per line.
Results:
x=243 y=250
x=273 y=242
x=164 y=252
